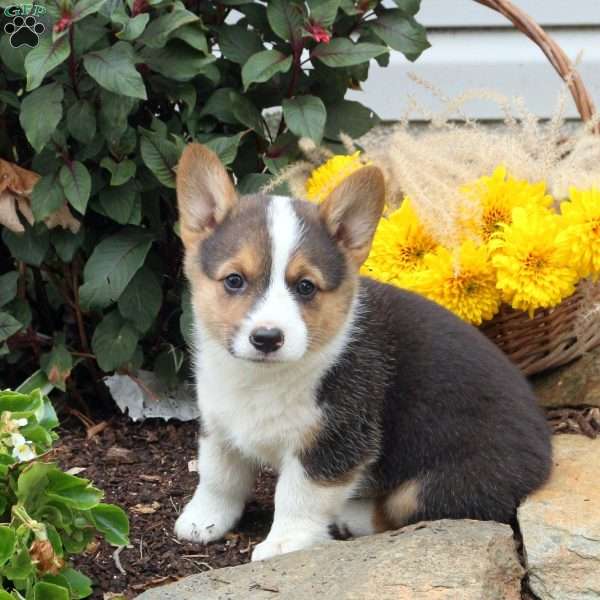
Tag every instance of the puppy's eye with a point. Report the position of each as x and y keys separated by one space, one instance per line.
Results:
x=306 y=288
x=234 y=282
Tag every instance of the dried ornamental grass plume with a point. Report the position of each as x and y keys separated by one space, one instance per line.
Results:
x=399 y=247
x=464 y=282
x=581 y=233
x=533 y=269
x=497 y=195
x=328 y=176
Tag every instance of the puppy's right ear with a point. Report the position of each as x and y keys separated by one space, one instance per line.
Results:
x=205 y=194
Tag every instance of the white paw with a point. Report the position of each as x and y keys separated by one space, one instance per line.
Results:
x=282 y=545
x=203 y=522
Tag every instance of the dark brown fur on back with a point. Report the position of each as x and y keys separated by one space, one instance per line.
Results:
x=420 y=395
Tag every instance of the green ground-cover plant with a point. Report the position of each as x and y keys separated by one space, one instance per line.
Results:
x=46 y=514
x=102 y=108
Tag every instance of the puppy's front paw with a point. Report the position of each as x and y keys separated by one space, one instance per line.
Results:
x=282 y=545
x=202 y=522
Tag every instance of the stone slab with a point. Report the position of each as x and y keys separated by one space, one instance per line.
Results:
x=442 y=560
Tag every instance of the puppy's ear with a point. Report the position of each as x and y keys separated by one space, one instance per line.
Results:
x=352 y=211
x=205 y=194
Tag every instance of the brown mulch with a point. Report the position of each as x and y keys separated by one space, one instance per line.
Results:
x=144 y=468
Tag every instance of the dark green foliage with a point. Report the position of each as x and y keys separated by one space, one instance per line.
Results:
x=102 y=109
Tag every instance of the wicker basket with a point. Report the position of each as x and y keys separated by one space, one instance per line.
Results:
x=553 y=337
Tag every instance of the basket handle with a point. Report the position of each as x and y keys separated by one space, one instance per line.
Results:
x=555 y=54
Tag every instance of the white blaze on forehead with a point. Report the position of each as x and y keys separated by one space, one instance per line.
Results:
x=278 y=307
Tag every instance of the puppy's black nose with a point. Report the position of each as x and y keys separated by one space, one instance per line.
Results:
x=267 y=339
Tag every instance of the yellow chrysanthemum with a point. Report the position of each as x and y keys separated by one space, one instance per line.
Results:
x=581 y=233
x=533 y=269
x=329 y=175
x=399 y=247
x=464 y=282
x=498 y=195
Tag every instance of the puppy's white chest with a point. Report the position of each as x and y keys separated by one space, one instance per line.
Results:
x=264 y=421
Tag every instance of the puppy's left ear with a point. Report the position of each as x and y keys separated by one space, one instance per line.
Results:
x=352 y=211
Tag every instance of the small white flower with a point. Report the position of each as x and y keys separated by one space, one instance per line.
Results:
x=23 y=452
x=16 y=439
x=21 y=422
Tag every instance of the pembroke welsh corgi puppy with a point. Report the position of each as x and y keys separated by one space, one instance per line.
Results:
x=377 y=407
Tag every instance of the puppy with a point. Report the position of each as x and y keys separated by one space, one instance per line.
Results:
x=377 y=407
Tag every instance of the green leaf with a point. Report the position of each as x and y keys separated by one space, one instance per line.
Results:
x=186 y=320
x=83 y=8
x=8 y=326
x=113 y=523
x=41 y=111
x=193 y=35
x=409 y=7
x=36 y=381
x=6 y=596
x=30 y=246
x=305 y=116
x=114 y=69
x=263 y=65
x=57 y=365
x=49 y=591
x=112 y=120
x=32 y=483
x=81 y=121
x=71 y=490
x=252 y=183
x=47 y=196
x=286 y=18
x=44 y=57
x=142 y=299
x=79 y=584
x=112 y=265
x=225 y=147
x=120 y=172
x=341 y=52
x=77 y=185
x=118 y=202
x=19 y=567
x=159 y=155
x=245 y=112
x=323 y=12
x=238 y=43
x=177 y=61
x=401 y=33
x=10 y=98
x=114 y=341
x=7 y=543
x=133 y=27
x=8 y=287
x=159 y=30
x=66 y=243
x=349 y=117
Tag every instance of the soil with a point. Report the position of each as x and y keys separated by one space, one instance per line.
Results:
x=147 y=469
x=144 y=469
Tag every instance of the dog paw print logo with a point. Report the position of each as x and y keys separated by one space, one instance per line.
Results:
x=24 y=31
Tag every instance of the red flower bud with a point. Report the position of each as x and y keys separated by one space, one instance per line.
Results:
x=63 y=23
x=318 y=33
x=139 y=6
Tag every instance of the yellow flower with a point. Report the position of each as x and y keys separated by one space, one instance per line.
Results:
x=498 y=195
x=463 y=282
x=581 y=233
x=329 y=175
x=399 y=247
x=533 y=269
